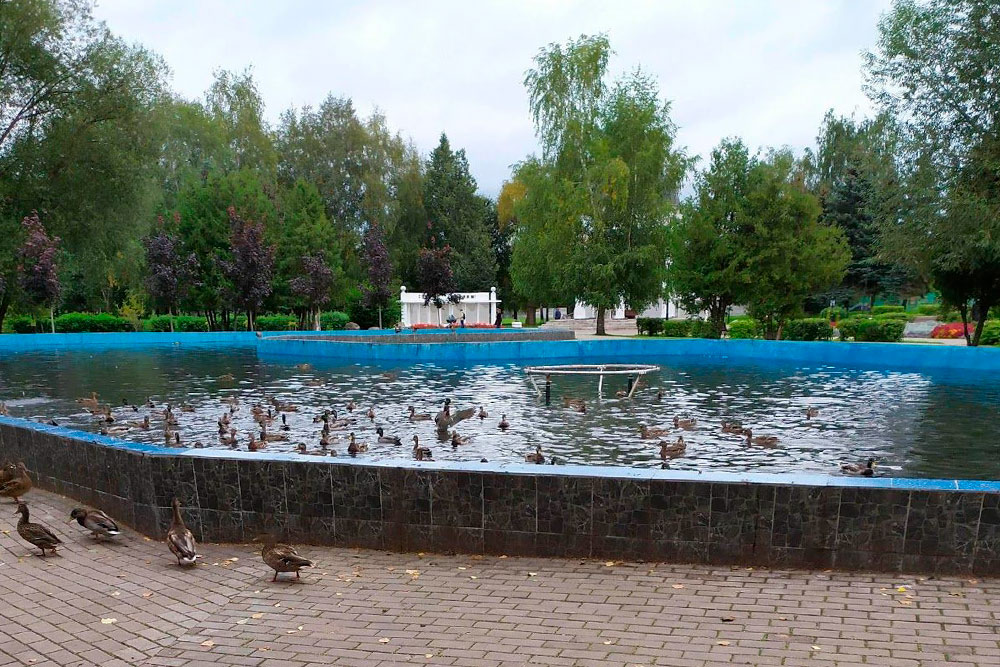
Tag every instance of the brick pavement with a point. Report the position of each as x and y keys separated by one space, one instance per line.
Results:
x=376 y=608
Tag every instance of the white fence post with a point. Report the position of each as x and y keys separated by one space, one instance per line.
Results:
x=404 y=308
x=493 y=304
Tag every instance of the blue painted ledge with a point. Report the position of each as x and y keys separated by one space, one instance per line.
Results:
x=612 y=472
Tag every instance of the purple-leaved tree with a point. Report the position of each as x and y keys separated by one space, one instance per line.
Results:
x=313 y=285
x=170 y=275
x=251 y=269
x=377 y=292
x=436 y=279
x=37 y=268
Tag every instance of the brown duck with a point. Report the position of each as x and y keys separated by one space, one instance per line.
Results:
x=669 y=450
x=281 y=557
x=96 y=521
x=35 y=533
x=180 y=540
x=18 y=484
x=420 y=453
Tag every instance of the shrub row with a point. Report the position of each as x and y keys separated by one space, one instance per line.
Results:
x=870 y=329
x=991 y=333
x=654 y=326
x=879 y=310
x=810 y=328
x=105 y=323
x=928 y=308
x=743 y=328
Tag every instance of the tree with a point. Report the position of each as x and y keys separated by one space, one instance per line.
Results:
x=609 y=174
x=313 y=286
x=460 y=216
x=37 y=268
x=376 y=293
x=250 y=269
x=234 y=101
x=934 y=70
x=437 y=281
x=707 y=271
x=302 y=230
x=169 y=273
x=501 y=243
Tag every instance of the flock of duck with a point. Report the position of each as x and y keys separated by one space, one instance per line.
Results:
x=15 y=482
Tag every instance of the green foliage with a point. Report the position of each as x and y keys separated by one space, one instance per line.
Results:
x=880 y=310
x=91 y=322
x=649 y=326
x=366 y=317
x=871 y=330
x=928 y=309
x=991 y=333
x=277 y=322
x=834 y=314
x=899 y=317
x=20 y=324
x=676 y=328
x=743 y=328
x=334 y=321
x=181 y=323
x=811 y=328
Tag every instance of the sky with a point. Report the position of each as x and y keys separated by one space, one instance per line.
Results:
x=762 y=70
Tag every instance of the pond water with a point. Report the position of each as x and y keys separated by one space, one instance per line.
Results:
x=915 y=424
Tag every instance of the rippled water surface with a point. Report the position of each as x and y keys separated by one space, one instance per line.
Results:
x=917 y=425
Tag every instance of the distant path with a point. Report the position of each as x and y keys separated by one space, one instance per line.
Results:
x=376 y=608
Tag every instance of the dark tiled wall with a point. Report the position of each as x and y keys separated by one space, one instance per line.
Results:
x=419 y=509
x=466 y=336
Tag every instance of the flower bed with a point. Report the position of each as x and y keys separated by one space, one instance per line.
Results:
x=951 y=330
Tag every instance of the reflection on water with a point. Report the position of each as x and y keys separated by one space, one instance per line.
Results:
x=916 y=424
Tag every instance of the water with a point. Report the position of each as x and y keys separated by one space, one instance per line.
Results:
x=915 y=424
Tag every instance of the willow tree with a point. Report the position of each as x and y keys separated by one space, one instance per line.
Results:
x=605 y=183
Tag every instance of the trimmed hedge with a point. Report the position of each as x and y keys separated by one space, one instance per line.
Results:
x=743 y=328
x=871 y=330
x=901 y=317
x=991 y=333
x=91 y=322
x=277 y=323
x=675 y=328
x=19 y=324
x=834 y=314
x=649 y=326
x=928 y=308
x=181 y=323
x=948 y=316
x=879 y=310
x=334 y=320
x=810 y=328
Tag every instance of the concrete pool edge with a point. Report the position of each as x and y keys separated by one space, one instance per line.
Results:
x=779 y=520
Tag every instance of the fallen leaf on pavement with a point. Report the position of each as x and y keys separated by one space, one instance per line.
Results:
x=723 y=643
x=109 y=621
x=257 y=615
x=384 y=640
x=678 y=586
x=208 y=642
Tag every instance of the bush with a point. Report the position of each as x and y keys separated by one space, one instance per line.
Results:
x=702 y=329
x=743 y=328
x=872 y=330
x=277 y=323
x=676 y=328
x=181 y=323
x=333 y=321
x=91 y=322
x=368 y=317
x=810 y=328
x=834 y=314
x=879 y=310
x=951 y=330
x=899 y=317
x=948 y=316
x=928 y=308
x=19 y=324
x=991 y=333
x=649 y=326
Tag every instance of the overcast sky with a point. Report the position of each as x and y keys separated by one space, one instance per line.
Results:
x=764 y=70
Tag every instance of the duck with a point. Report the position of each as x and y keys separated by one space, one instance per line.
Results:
x=18 y=484
x=863 y=469
x=283 y=407
x=90 y=402
x=322 y=417
x=227 y=377
x=302 y=449
x=187 y=407
x=325 y=441
x=647 y=433
x=659 y=395
x=354 y=448
x=177 y=439
x=144 y=424
x=130 y=406
x=35 y=533
x=370 y=414
x=387 y=439
x=417 y=416
x=760 y=440
x=96 y=521
x=4 y=412
x=443 y=420
x=303 y=367
x=445 y=412
x=420 y=453
x=230 y=440
x=457 y=440
x=180 y=541
x=669 y=450
x=504 y=424
x=284 y=423
x=8 y=471
x=733 y=427
x=271 y=437
x=686 y=424
x=351 y=406
x=577 y=404
x=281 y=557
x=482 y=414
x=255 y=445
x=535 y=456
x=811 y=412
x=149 y=403
x=115 y=430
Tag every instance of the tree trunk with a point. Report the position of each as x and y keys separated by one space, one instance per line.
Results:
x=4 y=305
x=319 y=324
x=717 y=316
x=529 y=315
x=601 y=312
x=984 y=309
x=170 y=314
x=964 y=311
x=52 y=318
x=379 y=317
